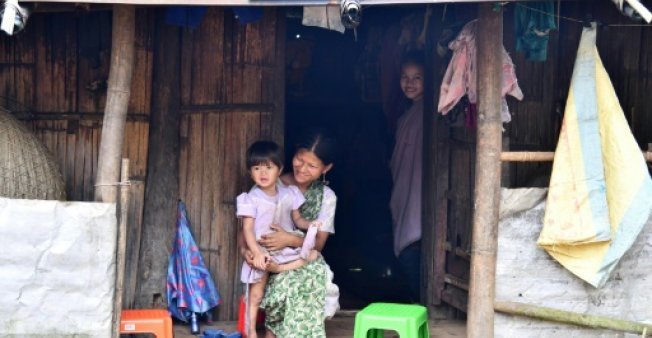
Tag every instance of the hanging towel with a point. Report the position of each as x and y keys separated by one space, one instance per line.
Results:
x=600 y=192
x=461 y=74
x=532 y=26
x=323 y=16
x=190 y=287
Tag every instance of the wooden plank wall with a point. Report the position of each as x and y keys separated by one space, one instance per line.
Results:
x=53 y=76
x=57 y=84
x=229 y=97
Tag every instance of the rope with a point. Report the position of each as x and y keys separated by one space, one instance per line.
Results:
x=558 y=16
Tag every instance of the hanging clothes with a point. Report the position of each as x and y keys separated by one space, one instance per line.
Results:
x=532 y=26
x=323 y=16
x=461 y=74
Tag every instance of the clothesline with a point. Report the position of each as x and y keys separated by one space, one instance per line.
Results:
x=578 y=20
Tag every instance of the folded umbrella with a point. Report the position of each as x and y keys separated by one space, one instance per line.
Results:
x=190 y=287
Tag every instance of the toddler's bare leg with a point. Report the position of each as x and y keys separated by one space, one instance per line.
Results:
x=256 y=292
x=292 y=265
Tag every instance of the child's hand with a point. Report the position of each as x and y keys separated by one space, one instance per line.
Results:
x=261 y=260
x=316 y=224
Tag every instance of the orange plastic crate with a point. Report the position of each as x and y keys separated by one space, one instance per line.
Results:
x=154 y=321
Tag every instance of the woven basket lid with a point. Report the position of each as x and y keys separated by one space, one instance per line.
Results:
x=27 y=169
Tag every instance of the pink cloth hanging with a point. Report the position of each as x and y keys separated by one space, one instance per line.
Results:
x=461 y=75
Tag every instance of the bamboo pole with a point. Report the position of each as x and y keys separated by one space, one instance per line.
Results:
x=120 y=260
x=568 y=317
x=527 y=156
x=543 y=156
x=480 y=321
x=117 y=101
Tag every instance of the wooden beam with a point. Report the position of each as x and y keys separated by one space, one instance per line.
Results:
x=574 y=318
x=162 y=187
x=456 y=281
x=489 y=39
x=543 y=156
x=527 y=156
x=51 y=116
x=227 y=108
x=117 y=102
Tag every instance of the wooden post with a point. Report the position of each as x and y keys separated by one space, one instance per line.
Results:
x=123 y=209
x=489 y=38
x=435 y=178
x=117 y=102
x=162 y=187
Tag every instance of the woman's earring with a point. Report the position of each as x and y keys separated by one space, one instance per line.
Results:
x=323 y=179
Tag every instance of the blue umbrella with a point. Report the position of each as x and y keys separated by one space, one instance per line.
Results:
x=190 y=287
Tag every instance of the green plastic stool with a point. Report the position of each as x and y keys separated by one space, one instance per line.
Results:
x=410 y=321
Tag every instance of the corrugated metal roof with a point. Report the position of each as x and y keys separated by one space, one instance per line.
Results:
x=258 y=2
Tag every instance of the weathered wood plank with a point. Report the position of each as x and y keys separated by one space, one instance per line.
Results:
x=209 y=189
x=94 y=32
x=277 y=80
x=141 y=83
x=183 y=156
x=218 y=214
x=194 y=171
x=55 y=53
x=207 y=81
x=134 y=232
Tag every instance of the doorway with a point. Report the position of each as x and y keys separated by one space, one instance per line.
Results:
x=333 y=82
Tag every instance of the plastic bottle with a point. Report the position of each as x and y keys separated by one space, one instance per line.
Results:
x=194 y=325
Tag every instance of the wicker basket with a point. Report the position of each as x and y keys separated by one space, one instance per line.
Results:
x=27 y=170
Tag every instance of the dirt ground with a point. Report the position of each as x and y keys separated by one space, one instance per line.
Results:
x=342 y=327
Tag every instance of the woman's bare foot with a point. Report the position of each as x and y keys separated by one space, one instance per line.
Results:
x=314 y=254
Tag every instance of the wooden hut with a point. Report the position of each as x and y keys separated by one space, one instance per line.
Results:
x=199 y=96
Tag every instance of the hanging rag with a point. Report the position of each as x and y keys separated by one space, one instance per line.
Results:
x=532 y=26
x=600 y=193
x=190 y=287
x=323 y=16
x=461 y=74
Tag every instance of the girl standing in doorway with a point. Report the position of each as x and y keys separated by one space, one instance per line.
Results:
x=406 y=167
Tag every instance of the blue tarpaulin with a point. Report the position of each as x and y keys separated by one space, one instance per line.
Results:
x=190 y=287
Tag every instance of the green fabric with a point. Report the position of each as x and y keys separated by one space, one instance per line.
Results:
x=294 y=302
x=532 y=24
x=314 y=196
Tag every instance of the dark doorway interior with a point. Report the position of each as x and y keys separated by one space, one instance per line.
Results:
x=332 y=82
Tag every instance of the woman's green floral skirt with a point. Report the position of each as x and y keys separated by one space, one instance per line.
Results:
x=294 y=302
